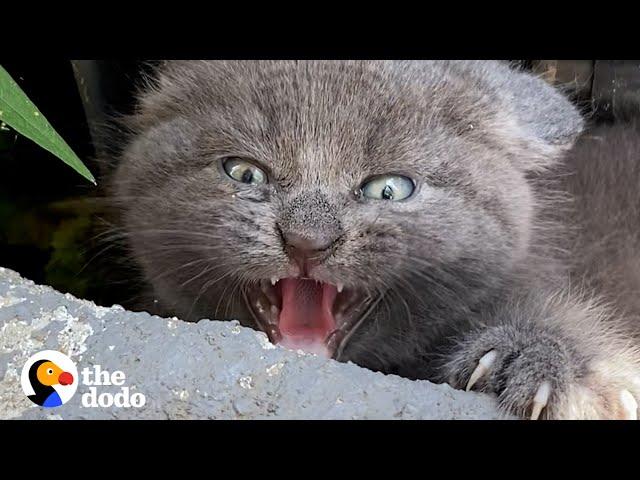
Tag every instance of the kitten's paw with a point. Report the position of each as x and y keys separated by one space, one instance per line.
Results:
x=628 y=406
x=537 y=373
x=541 y=397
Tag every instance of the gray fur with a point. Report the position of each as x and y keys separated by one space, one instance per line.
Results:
x=475 y=260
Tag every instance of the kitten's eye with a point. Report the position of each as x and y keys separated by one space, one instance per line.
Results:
x=243 y=171
x=388 y=187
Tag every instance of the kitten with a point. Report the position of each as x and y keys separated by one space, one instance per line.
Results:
x=397 y=214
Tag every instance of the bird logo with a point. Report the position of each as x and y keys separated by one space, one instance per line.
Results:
x=49 y=379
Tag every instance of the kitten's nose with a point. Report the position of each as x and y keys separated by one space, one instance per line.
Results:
x=307 y=243
x=307 y=251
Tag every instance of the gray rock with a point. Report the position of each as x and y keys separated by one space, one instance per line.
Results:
x=204 y=370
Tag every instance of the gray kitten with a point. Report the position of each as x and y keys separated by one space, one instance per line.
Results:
x=398 y=214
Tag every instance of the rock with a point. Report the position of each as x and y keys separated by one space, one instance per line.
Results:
x=204 y=370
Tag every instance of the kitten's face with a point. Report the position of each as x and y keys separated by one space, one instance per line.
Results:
x=297 y=195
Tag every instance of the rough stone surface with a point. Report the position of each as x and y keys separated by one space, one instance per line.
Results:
x=208 y=370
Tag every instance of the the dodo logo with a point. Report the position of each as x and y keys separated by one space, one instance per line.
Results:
x=49 y=378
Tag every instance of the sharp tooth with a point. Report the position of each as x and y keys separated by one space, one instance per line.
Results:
x=274 y=280
x=275 y=313
x=269 y=295
x=340 y=287
x=333 y=340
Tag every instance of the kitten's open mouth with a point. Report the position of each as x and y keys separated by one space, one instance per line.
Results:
x=301 y=313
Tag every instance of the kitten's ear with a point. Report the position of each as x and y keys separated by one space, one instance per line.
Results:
x=541 y=110
x=537 y=120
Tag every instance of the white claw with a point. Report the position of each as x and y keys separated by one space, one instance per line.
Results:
x=629 y=405
x=274 y=280
x=484 y=364
x=340 y=287
x=540 y=399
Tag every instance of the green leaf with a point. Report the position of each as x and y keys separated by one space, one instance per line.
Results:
x=17 y=111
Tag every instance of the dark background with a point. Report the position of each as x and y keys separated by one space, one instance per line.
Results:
x=52 y=221
x=51 y=218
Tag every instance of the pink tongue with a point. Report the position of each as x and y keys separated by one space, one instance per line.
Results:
x=306 y=318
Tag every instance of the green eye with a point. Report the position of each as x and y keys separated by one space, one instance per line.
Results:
x=243 y=171
x=388 y=187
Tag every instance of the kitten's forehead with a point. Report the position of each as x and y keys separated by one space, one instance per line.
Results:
x=311 y=117
x=371 y=113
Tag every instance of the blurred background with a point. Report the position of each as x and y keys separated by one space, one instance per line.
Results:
x=52 y=221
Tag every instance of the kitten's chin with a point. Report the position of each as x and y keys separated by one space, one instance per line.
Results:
x=306 y=314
